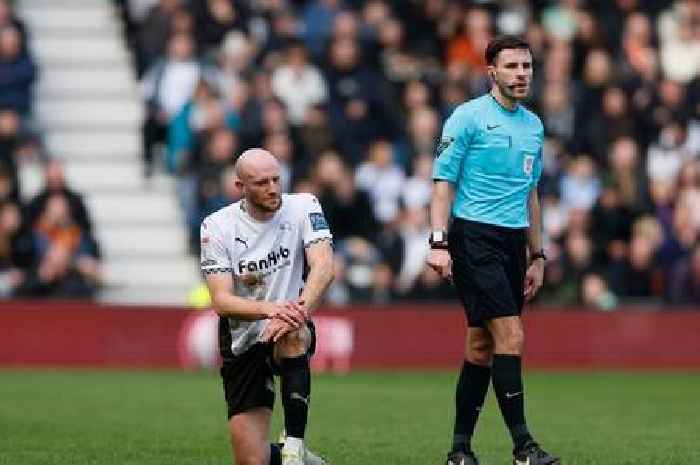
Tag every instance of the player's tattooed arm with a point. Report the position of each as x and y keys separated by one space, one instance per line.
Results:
x=319 y=256
x=227 y=304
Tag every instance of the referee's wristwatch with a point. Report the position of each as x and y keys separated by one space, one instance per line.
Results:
x=539 y=254
x=438 y=239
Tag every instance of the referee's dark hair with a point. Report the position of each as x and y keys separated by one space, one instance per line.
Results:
x=502 y=43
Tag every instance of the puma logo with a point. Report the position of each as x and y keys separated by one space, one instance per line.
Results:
x=298 y=396
x=242 y=241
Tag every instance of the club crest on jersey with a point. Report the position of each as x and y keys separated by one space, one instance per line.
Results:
x=445 y=142
x=318 y=221
x=528 y=163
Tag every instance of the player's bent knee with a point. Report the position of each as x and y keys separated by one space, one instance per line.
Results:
x=294 y=343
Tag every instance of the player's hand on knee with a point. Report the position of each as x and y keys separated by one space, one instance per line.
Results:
x=440 y=261
x=275 y=330
x=290 y=312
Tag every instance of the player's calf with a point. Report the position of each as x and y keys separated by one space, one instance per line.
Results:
x=291 y=353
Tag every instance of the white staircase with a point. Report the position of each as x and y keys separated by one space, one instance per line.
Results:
x=90 y=110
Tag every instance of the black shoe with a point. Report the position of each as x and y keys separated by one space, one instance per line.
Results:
x=532 y=454
x=461 y=458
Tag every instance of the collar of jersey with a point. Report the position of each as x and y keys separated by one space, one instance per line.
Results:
x=506 y=110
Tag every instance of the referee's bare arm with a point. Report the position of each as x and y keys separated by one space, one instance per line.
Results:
x=440 y=203
x=534 y=232
x=535 y=272
x=227 y=304
x=319 y=257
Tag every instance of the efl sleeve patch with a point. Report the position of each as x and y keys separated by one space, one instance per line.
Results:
x=318 y=221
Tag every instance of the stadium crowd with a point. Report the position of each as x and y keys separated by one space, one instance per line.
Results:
x=47 y=246
x=351 y=95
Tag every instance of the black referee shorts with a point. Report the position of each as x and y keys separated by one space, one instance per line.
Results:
x=248 y=378
x=488 y=269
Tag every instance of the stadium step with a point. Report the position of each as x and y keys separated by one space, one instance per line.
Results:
x=50 y=17
x=89 y=113
x=157 y=272
x=89 y=106
x=116 y=209
x=162 y=241
x=71 y=83
x=83 y=49
x=97 y=176
x=95 y=145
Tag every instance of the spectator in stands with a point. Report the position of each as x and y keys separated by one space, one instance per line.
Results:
x=621 y=112
x=636 y=277
x=358 y=107
x=17 y=72
x=215 y=18
x=627 y=174
x=10 y=140
x=595 y=293
x=417 y=188
x=580 y=185
x=219 y=153
x=9 y=19
x=203 y=113
x=167 y=87
x=667 y=155
x=684 y=287
x=299 y=84
x=55 y=184
x=64 y=265
x=154 y=32
x=348 y=209
x=611 y=225
x=383 y=180
x=12 y=275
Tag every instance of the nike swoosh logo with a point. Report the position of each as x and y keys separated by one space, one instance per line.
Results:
x=510 y=395
x=489 y=127
x=297 y=396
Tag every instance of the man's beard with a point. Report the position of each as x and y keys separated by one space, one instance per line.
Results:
x=509 y=92
x=263 y=207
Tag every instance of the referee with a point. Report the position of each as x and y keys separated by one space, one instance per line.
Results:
x=486 y=171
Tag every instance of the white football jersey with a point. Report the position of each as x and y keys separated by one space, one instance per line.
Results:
x=266 y=258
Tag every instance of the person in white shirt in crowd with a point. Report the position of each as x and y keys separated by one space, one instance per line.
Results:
x=167 y=86
x=298 y=83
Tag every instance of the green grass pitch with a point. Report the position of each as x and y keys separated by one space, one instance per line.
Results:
x=148 y=418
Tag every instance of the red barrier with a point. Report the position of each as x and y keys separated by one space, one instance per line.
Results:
x=67 y=334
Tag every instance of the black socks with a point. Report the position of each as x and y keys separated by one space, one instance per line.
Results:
x=471 y=391
x=275 y=454
x=296 y=387
x=508 y=384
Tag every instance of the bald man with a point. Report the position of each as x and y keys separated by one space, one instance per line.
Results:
x=253 y=256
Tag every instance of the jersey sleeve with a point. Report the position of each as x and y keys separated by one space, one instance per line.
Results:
x=315 y=227
x=214 y=256
x=539 y=159
x=453 y=146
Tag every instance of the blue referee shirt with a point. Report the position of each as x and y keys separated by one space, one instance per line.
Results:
x=493 y=156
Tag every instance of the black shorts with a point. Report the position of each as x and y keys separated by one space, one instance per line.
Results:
x=488 y=269
x=248 y=378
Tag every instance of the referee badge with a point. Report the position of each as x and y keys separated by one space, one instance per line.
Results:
x=442 y=146
x=528 y=162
